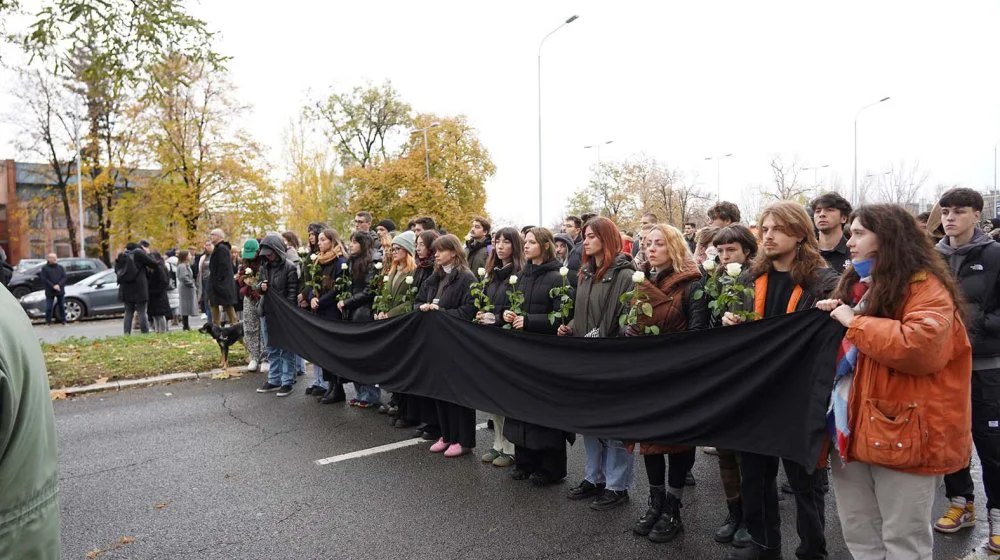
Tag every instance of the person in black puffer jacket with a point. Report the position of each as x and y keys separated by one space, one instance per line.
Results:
x=365 y=267
x=413 y=410
x=539 y=452
x=447 y=291
x=323 y=302
x=503 y=267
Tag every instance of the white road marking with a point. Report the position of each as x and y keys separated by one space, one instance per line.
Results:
x=379 y=449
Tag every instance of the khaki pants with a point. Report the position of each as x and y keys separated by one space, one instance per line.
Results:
x=500 y=443
x=217 y=314
x=885 y=514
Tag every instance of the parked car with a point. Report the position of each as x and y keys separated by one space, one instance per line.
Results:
x=23 y=283
x=25 y=264
x=95 y=295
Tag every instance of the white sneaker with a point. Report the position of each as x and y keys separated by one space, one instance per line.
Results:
x=204 y=317
x=264 y=367
x=252 y=366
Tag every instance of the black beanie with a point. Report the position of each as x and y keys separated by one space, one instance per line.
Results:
x=387 y=224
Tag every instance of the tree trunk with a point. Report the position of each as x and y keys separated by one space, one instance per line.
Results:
x=70 y=224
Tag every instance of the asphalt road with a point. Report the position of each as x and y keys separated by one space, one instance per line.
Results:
x=92 y=328
x=211 y=469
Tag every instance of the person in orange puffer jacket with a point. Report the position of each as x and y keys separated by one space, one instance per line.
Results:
x=907 y=396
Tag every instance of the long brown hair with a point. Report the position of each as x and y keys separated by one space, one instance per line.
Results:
x=797 y=224
x=516 y=254
x=428 y=236
x=611 y=240
x=546 y=241
x=451 y=243
x=904 y=249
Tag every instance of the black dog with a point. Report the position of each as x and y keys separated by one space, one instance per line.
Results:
x=226 y=336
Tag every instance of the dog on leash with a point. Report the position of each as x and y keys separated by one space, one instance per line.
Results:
x=226 y=336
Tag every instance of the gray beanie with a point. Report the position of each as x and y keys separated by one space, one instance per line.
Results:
x=407 y=240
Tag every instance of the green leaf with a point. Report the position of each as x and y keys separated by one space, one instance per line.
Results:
x=698 y=294
x=654 y=330
x=621 y=320
x=647 y=309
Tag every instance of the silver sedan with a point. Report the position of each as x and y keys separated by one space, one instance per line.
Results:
x=95 y=295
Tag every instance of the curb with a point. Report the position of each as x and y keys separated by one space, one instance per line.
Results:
x=126 y=383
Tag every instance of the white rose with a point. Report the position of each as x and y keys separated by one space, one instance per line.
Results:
x=314 y=257
x=248 y=271
x=513 y=280
x=409 y=280
x=303 y=250
x=343 y=266
x=563 y=271
x=638 y=277
x=385 y=278
x=481 y=272
x=709 y=265
x=734 y=269
x=378 y=266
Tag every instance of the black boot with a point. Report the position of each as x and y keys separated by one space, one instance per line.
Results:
x=657 y=496
x=754 y=552
x=728 y=530
x=669 y=525
x=334 y=395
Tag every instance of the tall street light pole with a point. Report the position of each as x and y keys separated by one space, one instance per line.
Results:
x=79 y=192
x=542 y=42
x=815 y=169
x=997 y=143
x=427 y=157
x=718 y=173
x=598 y=146
x=855 y=177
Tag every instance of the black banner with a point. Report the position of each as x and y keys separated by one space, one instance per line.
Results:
x=762 y=387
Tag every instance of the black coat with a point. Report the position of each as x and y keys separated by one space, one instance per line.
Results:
x=452 y=293
x=222 y=289
x=979 y=280
x=136 y=290
x=575 y=260
x=281 y=275
x=327 y=294
x=358 y=307
x=497 y=290
x=53 y=275
x=536 y=282
x=159 y=285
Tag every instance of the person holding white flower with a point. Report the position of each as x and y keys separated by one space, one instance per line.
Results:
x=788 y=275
x=605 y=274
x=322 y=300
x=539 y=451
x=247 y=277
x=447 y=291
x=502 y=269
x=666 y=282
x=415 y=410
x=364 y=266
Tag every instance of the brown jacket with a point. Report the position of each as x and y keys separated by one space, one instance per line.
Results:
x=910 y=404
x=667 y=299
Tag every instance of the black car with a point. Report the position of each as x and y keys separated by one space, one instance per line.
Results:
x=23 y=283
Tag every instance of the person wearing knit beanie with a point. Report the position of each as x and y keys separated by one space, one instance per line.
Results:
x=387 y=224
x=406 y=241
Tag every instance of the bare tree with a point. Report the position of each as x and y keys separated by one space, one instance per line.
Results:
x=786 y=181
x=752 y=201
x=47 y=122
x=358 y=123
x=901 y=184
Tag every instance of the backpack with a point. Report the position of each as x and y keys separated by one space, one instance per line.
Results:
x=127 y=271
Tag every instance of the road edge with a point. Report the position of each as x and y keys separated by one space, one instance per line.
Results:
x=126 y=383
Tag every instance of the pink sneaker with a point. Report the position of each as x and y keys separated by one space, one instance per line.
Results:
x=456 y=450
x=439 y=446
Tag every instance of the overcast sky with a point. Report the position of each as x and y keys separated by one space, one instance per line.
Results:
x=678 y=80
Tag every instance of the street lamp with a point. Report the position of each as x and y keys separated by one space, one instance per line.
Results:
x=598 y=146
x=542 y=42
x=79 y=191
x=997 y=143
x=855 y=177
x=427 y=157
x=815 y=169
x=718 y=173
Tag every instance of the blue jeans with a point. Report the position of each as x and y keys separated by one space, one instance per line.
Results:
x=368 y=393
x=608 y=461
x=318 y=377
x=281 y=370
x=60 y=301
x=300 y=364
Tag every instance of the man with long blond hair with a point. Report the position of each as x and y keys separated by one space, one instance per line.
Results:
x=787 y=275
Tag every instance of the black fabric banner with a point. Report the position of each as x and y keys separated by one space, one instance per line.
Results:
x=762 y=387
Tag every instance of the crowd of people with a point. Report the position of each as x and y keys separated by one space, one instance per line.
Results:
x=913 y=387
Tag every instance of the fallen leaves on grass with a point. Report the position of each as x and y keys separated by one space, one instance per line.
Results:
x=58 y=395
x=102 y=380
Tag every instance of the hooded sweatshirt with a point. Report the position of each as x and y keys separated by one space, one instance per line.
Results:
x=976 y=266
x=281 y=275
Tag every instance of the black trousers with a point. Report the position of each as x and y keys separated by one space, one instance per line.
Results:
x=760 y=504
x=676 y=475
x=458 y=423
x=985 y=409
x=422 y=411
x=548 y=462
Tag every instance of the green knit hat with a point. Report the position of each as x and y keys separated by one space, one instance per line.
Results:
x=250 y=248
x=406 y=240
